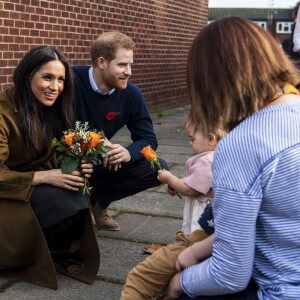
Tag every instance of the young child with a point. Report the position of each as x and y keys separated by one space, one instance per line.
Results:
x=151 y=277
x=197 y=183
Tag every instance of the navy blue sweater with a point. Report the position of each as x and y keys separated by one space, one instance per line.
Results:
x=93 y=107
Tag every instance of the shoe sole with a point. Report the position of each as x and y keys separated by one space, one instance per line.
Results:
x=108 y=229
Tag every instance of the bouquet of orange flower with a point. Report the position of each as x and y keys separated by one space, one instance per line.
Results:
x=151 y=156
x=80 y=144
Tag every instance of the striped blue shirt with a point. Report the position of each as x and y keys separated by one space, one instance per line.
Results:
x=256 y=181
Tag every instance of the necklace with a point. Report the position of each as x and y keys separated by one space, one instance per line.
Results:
x=287 y=89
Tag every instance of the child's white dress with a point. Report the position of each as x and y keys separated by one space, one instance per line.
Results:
x=199 y=178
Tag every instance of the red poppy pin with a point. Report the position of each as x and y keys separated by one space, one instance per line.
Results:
x=111 y=115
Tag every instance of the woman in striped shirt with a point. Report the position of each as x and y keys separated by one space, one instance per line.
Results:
x=240 y=80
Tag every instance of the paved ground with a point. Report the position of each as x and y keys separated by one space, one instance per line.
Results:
x=151 y=216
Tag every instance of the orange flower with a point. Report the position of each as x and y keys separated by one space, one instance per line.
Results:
x=69 y=138
x=95 y=139
x=149 y=153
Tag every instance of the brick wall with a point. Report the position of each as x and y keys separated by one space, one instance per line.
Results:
x=163 y=31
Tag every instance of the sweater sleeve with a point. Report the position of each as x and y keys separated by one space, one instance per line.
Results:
x=141 y=128
x=14 y=185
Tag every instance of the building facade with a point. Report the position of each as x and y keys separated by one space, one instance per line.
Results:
x=162 y=29
x=277 y=21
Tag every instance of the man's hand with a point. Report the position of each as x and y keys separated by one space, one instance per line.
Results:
x=117 y=155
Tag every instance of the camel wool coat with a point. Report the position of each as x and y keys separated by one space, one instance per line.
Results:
x=24 y=254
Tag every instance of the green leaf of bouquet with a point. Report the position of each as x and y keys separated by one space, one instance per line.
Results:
x=61 y=157
x=68 y=165
x=104 y=148
x=61 y=148
x=54 y=142
x=102 y=153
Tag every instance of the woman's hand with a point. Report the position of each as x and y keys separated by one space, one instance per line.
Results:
x=86 y=168
x=72 y=181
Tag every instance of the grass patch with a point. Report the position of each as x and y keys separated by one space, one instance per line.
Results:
x=8 y=284
x=137 y=241
x=110 y=280
x=130 y=211
x=159 y=113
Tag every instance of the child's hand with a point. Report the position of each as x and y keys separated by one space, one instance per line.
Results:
x=185 y=259
x=163 y=175
x=171 y=191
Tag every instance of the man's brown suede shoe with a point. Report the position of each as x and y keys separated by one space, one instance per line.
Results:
x=102 y=218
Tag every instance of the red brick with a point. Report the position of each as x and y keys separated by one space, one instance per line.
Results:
x=34 y=33
x=20 y=8
x=3 y=30
x=13 y=31
x=24 y=32
x=45 y=4
x=9 y=6
x=29 y=25
x=30 y=9
x=35 y=18
x=24 y=16
x=50 y=12
x=35 y=3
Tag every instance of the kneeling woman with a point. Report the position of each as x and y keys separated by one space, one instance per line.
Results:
x=44 y=218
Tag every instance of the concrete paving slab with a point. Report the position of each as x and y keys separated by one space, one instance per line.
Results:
x=119 y=257
x=175 y=158
x=144 y=228
x=166 y=149
x=152 y=203
x=68 y=289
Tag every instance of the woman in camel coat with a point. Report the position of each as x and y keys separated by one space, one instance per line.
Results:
x=45 y=221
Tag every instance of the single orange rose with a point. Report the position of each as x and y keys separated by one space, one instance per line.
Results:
x=149 y=153
x=95 y=139
x=69 y=138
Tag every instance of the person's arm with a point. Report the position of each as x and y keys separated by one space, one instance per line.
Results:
x=296 y=36
x=230 y=267
x=195 y=253
x=176 y=183
x=72 y=181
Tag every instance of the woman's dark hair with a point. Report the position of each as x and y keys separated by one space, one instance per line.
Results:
x=233 y=68
x=54 y=119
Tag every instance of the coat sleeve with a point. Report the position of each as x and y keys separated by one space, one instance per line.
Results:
x=14 y=185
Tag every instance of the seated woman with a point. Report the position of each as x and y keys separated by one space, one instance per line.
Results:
x=44 y=218
x=240 y=80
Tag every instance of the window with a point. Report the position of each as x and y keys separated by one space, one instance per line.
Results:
x=261 y=24
x=284 y=27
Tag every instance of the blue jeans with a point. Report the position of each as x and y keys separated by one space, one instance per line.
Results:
x=132 y=178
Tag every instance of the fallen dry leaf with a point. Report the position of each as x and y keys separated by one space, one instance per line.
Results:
x=151 y=248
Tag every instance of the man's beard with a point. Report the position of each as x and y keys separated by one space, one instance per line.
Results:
x=112 y=82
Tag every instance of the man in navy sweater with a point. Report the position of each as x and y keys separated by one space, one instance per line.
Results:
x=108 y=101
